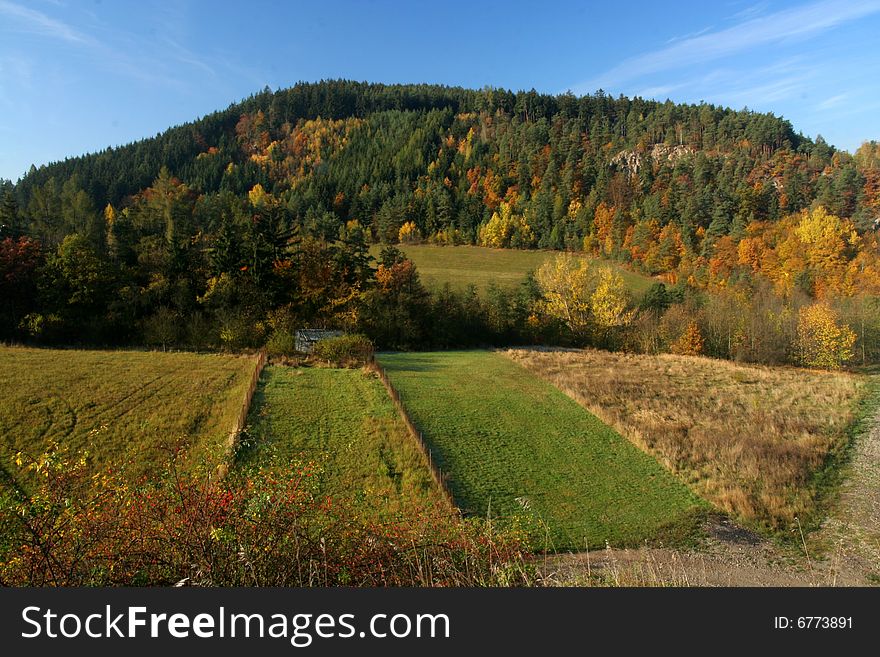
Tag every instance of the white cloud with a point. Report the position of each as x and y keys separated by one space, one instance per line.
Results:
x=186 y=56
x=749 y=12
x=659 y=92
x=153 y=61
x=37 y=22
x=832 y=102
x=796 y=23
x=690 y=35
x=763 y=93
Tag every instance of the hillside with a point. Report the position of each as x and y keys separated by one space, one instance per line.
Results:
x=446 y=158
x=461 y=266
x=258 y=218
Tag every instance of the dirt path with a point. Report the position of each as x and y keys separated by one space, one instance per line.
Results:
x=851 y=534
x=729 y=556
x=848 y=542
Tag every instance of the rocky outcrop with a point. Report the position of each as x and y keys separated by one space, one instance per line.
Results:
x=671 y=154
x=632 y=161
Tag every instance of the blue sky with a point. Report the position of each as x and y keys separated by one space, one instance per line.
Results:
x=79 y=75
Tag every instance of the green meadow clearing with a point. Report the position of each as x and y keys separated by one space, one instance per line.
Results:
x=515 y=445
x=343 y=420
x=123 y=407
x=461 y=266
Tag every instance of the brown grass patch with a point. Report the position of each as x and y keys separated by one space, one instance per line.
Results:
x=749 y=439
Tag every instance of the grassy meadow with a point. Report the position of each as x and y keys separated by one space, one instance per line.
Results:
x=120 y=406
x=753 y=440
x=461 y=266
x=515 y=445
x=344 y=421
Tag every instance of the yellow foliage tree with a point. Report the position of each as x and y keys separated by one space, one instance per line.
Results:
x=110 y=214
x=817 y=226
x=409 y=233
x=259 y=197
x=821 y=340
x=506 y=228
x=609 y=301
x=111 y=239
x=690 y=343
x=826 y=239
x=603 y=224
x=566 y=290
x=867 y=156
x=750 y=252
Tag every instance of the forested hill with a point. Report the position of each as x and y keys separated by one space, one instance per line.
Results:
x=445 y=158
x=270 y=204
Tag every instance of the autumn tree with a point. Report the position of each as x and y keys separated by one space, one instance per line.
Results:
x=690 y=343
x=603 y=227
x=566 y=285
x=822 y=341
x=395 y=312
x=862 y=314
x=610 y=305
x=20 y=260
x=506 y=228
x=828 y=242
x=409 y=233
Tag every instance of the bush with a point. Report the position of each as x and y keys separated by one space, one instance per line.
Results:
x=281 y=343
x=47 y=328
x=267 y=527
x=240 y=331
x=345 y=351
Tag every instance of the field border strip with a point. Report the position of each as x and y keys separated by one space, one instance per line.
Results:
x=240 y=421
x=439 y=477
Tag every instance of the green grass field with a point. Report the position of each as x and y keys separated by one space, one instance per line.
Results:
x=461 y=266
x=342 y=419
x=121 y=406
x=513 y=443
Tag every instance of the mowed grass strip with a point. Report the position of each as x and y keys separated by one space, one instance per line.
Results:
x=123 y=407
x=343 y=420
x=461 y=266
x=514 y=444
x=756 y=441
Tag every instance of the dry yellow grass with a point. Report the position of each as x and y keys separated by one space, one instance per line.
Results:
x=125 y=408
x=749 y=439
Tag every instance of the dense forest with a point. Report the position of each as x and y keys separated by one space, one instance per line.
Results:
x=232 y=230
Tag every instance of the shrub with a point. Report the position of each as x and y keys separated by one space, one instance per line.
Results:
x=345 y=350
x=267 y=527
x=281 y=343
x=42 y=327
x=239 y=331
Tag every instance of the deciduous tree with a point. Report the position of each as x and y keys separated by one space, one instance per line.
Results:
x=821 y=340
